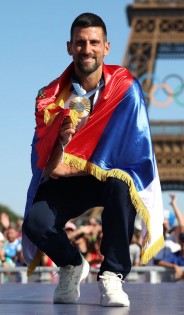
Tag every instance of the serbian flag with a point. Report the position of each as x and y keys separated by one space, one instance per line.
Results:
x=115 y=142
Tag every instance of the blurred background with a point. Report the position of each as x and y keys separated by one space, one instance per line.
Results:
x=146 y=37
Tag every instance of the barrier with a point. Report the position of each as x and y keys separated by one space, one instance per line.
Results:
x=151 y=274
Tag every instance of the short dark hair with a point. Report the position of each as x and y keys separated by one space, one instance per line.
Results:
x=87 y=20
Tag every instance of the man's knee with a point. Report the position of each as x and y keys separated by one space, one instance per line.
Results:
x=30 y=228
x=118 y=185
x=27 y=227
x=38 y=221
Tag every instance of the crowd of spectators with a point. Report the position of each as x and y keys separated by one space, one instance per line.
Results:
x=10 y=242
x=172 y=255
x=87 y=235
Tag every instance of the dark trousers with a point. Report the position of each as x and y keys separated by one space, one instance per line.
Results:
x=59 y=200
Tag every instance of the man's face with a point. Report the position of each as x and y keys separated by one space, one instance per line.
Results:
x=88 y=48
x=11 y=235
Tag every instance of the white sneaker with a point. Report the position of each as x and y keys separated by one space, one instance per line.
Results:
x=68 y=289
x=112 y=294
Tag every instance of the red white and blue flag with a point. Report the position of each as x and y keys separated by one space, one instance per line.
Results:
x=115 y=142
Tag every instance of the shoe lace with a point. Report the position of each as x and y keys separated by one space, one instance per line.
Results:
x=117 y=276
x=112 y=282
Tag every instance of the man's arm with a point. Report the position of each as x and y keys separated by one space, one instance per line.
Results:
x=179 y=274
x=177 y=212
x=55 y=167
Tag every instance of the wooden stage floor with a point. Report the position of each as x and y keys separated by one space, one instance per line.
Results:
x=145 y=299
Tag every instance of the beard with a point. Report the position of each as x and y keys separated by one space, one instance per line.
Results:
x=87 y=69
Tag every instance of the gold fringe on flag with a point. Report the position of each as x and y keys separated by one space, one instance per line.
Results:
x=102 y=175
x=152 y=251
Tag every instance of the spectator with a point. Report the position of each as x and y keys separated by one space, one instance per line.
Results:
x=135 y=251
x=13 y=248
x=172 y=243
x=138 y=230
x=46 y=261
x=73 y=232
x=87 y=239
x=19 y=227
x=77 y=236
x=81 y=242
x=2 y=254
x=5 y=221
x=175 y=260
x=70 y=228
x=47 y=276
x=95 y=226
x=94 y=257
x=179 y=216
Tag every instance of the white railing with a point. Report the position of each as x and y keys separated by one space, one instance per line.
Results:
x=152 y=274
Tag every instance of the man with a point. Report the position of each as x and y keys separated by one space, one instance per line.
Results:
x=175 y=260
x=91 y=148
x=13 y=247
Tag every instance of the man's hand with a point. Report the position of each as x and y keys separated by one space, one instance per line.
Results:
x=178 y=272
x=67 y=131
x=65 y=136
x=55 y=167
x=65 y=170
x=173 y=199
x=4 y=220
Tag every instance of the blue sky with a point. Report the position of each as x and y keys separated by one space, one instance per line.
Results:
x=33 y=37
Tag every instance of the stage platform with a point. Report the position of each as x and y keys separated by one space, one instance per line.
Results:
x=146 y=299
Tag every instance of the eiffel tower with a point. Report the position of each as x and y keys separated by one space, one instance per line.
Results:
x=157 y=31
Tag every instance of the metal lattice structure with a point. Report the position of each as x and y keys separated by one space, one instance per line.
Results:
x=157 y=31
x=169 y=150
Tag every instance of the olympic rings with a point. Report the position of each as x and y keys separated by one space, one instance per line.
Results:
x=176 y=98
x=146 y=76
x=177 y=77
x=163 y=86
x=172 y=93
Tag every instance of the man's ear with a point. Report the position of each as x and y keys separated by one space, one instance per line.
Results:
x=107 y=48
x=69 y=49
